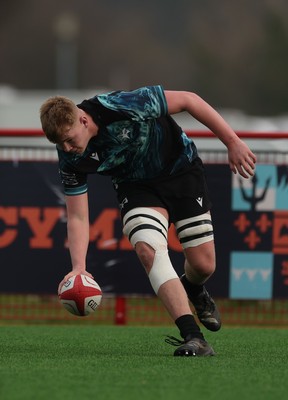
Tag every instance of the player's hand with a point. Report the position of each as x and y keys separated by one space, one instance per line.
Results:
x=73 y=273
x=241 y=159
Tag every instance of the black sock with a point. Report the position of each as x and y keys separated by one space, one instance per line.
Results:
x=191 y=289
x=188 y=327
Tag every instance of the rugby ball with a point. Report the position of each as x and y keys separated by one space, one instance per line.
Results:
x=80 y=295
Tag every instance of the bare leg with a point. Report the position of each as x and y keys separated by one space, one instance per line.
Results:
x=171 y=293
x=199 y=266
x=174 y=298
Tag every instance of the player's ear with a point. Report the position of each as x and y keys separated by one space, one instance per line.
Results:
x=84 y=120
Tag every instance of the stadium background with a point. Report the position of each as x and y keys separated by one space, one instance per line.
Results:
x=241 y=71
x=250 y=223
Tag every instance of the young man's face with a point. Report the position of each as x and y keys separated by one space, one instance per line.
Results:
x=76 y=138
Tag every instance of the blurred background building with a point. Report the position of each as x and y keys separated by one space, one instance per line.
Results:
x=234 y=54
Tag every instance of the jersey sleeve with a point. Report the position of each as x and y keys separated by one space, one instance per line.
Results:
x=74 y=182
x=144 y=103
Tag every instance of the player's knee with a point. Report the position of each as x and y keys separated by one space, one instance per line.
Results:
x=145 y=254
x=205 y=269
x=147 y=230
x=200 y=269
x=197 y=239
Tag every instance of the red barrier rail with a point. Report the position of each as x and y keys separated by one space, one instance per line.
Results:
x=21 y=132
x=194 y=133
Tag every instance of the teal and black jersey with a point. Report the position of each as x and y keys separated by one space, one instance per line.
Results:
x=136 y=140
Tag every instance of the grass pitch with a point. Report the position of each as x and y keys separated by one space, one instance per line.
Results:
x=110 y=362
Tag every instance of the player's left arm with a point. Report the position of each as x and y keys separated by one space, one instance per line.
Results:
x=241 y=158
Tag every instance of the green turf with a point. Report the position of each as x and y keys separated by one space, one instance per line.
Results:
x=123 y=363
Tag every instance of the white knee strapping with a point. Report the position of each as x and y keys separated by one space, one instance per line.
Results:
x=194 y=231
x=162 y=270
x=149 y=226
x=144 y=224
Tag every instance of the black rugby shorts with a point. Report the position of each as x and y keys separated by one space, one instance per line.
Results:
x=183 y=194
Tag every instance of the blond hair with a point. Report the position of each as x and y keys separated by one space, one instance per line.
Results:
x=57 y=115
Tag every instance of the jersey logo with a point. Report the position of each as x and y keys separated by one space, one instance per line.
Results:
x=94 y=156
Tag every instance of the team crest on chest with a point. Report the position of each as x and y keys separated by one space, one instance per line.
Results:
x=124 y=134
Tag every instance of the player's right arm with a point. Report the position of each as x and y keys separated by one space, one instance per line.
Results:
x=241 y=158
x=78 y=233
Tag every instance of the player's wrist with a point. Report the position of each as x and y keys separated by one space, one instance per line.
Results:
x=79 y=269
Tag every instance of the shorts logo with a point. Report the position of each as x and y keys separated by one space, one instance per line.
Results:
x=200 y=201
x=123 y=202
